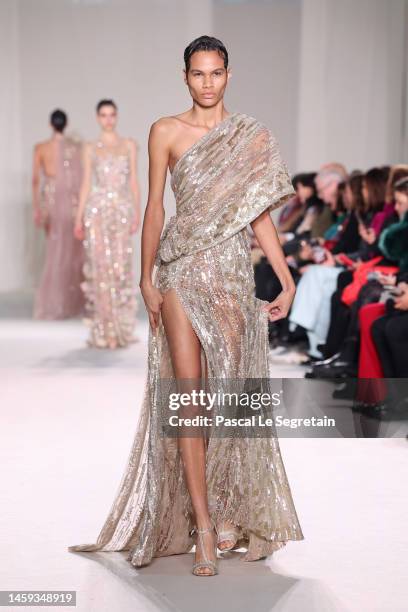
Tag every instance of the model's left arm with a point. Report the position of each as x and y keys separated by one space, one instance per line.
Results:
x=268 y=239
x=134 y=185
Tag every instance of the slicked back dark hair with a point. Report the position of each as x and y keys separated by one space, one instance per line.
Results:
x=205 y=43
x=105 y=102
x=58 y=120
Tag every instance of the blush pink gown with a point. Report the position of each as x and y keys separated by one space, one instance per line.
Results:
x=59 y=295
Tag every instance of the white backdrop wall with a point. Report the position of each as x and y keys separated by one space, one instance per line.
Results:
x=326 y=76
x=12 y=222
x=263 y=42
x=353 y=65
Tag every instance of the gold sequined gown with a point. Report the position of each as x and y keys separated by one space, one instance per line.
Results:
x=109 y=284
x=222 y=183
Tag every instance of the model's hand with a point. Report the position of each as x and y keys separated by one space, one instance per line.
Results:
x=153 y=300
x=79 y=232
x=279 y=307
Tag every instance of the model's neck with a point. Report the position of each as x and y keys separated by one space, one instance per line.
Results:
x=109 y=138
x=209 y=116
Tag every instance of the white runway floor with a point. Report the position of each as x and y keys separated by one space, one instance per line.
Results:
x=68 y=419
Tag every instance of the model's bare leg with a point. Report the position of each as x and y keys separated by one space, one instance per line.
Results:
x=185 y=351
x=223 y=526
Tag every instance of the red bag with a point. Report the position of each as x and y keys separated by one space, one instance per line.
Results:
x=350 y=293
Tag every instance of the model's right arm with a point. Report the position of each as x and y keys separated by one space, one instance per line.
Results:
x=36 y=179
x=159 y=149
x=84 y=191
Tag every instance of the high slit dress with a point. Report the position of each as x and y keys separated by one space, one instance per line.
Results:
x=221 y=184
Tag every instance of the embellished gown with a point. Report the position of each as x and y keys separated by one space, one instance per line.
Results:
x=221 y=184
x=59 y=294
x=109 y=289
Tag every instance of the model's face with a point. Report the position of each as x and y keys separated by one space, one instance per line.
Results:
x=107 y=118
x=207 y=78
x=401 y=204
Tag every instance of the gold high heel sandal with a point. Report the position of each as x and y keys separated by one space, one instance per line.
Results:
x=226 y=535
x=207 y=563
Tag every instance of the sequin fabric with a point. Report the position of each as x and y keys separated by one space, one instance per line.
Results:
x=109 y=285
x=59 y=294
x=221 y=184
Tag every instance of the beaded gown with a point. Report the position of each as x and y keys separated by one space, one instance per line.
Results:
x=109 y=286
x=221 y=184
x=59 y=294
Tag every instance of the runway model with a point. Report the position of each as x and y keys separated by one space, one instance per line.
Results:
x=205 y=323
x=56 y=182
x=108 y=215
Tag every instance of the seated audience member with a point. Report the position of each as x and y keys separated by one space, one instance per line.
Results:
x=311 y=306
x=266 y=282
x=320 y=193
x=347 y=239
x=292 y=213
x=393 y=245
x=338 y=209
x=327 y=183
x=373 y=190
x=373 y=220
x=311 y=208
x=390 y=334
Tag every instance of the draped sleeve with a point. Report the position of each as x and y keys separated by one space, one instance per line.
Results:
x=251 y=178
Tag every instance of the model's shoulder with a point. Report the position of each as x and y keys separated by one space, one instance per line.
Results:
x=39 y=147
x=165 y=130
x=165 y=124
x=131 y=143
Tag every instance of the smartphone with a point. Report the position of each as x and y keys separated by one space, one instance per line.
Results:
x=394 y=291
x=319 y=254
